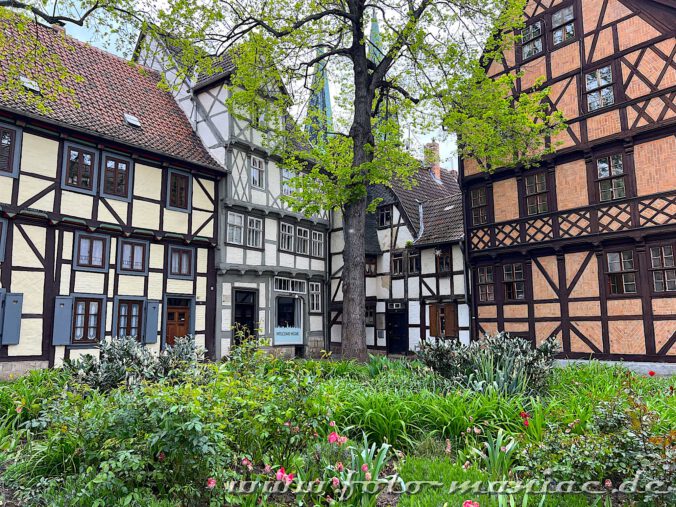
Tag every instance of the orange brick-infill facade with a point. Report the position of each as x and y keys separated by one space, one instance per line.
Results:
x=583 y=247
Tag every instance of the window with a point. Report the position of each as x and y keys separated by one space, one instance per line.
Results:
x=116 y=177
x=444 y=264
x=133 y=256
x=610 y=173
x=397 y=264
x=384 y=216
x=317 y=244
x=486 y=286
x=91 y=251
x=413 y=262
x=621 y=272
x=531 y=40
x=7 y=146
x=444 y=320
x=563 y=25
x=479 y=205
x=87 y=320
x=290 y=285
x=302 y=240
x=3 y=238
x=515 y=286
x=371 y=266
x=370 y=316
x=536 y=193
x=254 y=232
x=129 y=318
x=235 y=228
x=286 y=237
x=80 y=168
x=287 y=189
x=599 y=88
x=257 y=172
x=663 y=268
x=315 y=297
x=179 y=190
x=180 y=262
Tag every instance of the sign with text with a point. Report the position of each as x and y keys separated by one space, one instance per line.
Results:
x=288 y=336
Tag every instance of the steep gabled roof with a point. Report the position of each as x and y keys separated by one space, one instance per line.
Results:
x=442 y=221
x=112 y=87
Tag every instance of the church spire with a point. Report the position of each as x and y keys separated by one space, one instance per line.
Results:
x=319 y=108
x=375 y=49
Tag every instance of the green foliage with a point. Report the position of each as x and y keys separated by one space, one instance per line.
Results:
x=507 y=364
x=498 y=455
x=125 y=361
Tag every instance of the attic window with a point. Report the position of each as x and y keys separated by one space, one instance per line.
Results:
x=132 y=120
x=29 y=84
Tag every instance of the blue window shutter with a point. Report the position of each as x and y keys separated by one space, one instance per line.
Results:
x=11 y=324
x=152 y=313
x=63 y=320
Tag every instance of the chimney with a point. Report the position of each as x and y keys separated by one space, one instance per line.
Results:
x=432 y=158
x=59 y=27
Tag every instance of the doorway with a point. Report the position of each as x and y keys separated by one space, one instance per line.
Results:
x=178 y=319
x=245 y=314
x=396 y=326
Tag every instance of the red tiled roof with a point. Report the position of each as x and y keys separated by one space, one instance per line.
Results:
x=111 y=87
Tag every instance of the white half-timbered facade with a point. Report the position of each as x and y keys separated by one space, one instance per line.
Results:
x=108 y=221
x=415 y=277
x=271 y=262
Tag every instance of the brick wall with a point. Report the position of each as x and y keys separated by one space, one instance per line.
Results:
x=571 y=185
x=650 y=159
x=626 y=337
x=603 y=125
x=664 y=330
x=565 y=59
x=505 y=200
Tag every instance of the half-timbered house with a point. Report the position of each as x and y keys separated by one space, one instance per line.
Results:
x=270 y=261
x=415 y=277
x=108 y=222
x=582 y=247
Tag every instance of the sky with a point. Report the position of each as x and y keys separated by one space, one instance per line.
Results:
x=447 y=143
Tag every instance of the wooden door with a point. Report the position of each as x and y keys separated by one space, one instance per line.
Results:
x=178 y=322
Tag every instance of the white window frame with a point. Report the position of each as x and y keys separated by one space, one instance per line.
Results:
x=258 y=168
x=302 y=241
x=286 y=235
x=315 y=297
x=251 y=227
x=317 y=248
x=290 y=285
x=232 y=225
x=286 y=186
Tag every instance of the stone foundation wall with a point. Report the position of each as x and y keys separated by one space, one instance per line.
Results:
x=18 y=368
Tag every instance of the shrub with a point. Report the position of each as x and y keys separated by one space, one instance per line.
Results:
x=125 y=361
x=508 y=364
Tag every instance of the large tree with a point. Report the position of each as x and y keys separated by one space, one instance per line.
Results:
x=427 y=71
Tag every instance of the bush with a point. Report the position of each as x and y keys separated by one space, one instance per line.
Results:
x=125 y=361
x=508 y=364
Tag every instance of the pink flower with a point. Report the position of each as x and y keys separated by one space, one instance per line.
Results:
x=525 y=422
x=651 y=373
x=267 y=469
x=608 y=484
x=287 y=423
x=280 y=474
x=342 y=440
x=466 y=465
x=333 y=437
x=477 y=430
x=288 y=479
x=470 y=503
x=339 y=466
x=448 y=446
x=161 y=456
x=246 y=462
x=19 y=409
x=332 y=424
x=367 y=476
x=503 y=449
x=211 y=483
x=335 y=481
x=364 y=468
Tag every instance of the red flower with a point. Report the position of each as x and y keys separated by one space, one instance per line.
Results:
x=333 y=437
x=211 y=483
x=161 y=456
x=525 y=422
x=470 y=503
x=651 y=373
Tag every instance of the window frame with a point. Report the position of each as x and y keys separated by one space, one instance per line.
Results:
x=278 y=280
x=394 y=256
x=371 y=260
x=179 y=276
x=242 y=226
x=75 y=260
x=146 y=255
x=444 y=253
x=514 y=282
x=543 y=38
x=317 y=238
x=609 y=275
x=291 y=236
x=101 y=322
x=485 y=206
x=261 y=172
x=67 y=147
x=663 y=269
x=413 y=255
x=4 y=227
x=624 y=176
x=546 y=193
x=177 y=172
x=384 y=210
x=314 y=296
x=489 y=284
x=575 y=22
x=261 y=232
x=122 y=300
x=302 y=240
x=285 y=176
x=130 y=171
x=15 y=150
x=614 y=85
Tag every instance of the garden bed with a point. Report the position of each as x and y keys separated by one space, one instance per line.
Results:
x=179 y=437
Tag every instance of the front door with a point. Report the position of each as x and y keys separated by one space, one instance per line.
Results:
x=178 y=323
x=245 y=313
x=397 y=331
